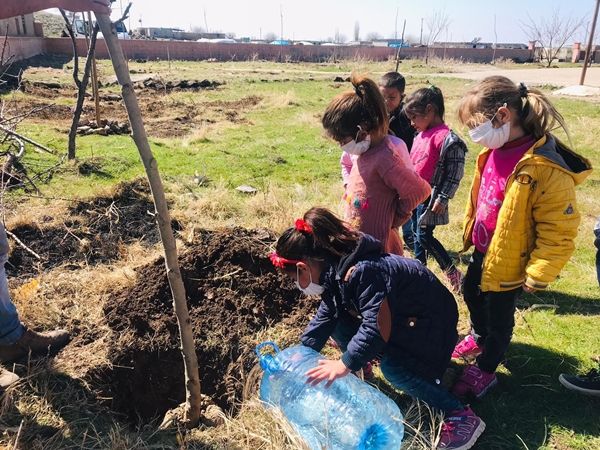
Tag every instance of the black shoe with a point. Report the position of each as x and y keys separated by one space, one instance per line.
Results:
x=588 y=384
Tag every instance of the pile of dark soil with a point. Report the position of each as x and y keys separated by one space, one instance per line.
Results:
x=182 y=85
x=94 y=232
x=233 y=292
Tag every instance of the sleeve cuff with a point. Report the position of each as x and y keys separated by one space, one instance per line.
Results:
x=350 y=362
x=443 y=198
x=534 y=284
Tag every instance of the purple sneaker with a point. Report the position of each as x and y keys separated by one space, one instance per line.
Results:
x=460 y=430
x=474 y=381
x=467 y=348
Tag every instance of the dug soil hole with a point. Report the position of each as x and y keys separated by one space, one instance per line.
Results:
x=232 y=291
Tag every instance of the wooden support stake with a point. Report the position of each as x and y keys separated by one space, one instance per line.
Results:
x=95 y=78
x=192 y=379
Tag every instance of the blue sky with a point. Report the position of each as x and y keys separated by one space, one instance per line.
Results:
x=313 y=19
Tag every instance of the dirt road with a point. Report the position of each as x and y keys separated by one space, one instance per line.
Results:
x=556 y=77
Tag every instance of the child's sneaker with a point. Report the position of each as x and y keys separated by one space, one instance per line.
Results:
x=474 y=381
x=456 y=279
x=467 y=348
x=368 y=374
x=461 y=430
x=588 y=384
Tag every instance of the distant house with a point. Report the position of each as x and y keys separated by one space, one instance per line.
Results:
x=21 y=26
x=176 y=34
x=394 y=43
x=480 y=45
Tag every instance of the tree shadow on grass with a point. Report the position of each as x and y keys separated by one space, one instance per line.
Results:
x=527 y=402
x=561 y=303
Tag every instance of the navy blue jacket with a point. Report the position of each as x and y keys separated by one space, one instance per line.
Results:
x=400 y=310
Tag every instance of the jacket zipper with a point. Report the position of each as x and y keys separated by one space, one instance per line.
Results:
x=509 y=181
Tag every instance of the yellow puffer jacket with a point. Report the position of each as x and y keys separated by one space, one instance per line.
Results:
x=538 y=220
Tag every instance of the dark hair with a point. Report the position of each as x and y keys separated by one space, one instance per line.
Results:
x=536 y=115
x=393 y=80
x=363 y=106
x=329 y=238
x=418 y=101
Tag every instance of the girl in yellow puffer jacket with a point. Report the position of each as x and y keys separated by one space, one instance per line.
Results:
x=522 y=216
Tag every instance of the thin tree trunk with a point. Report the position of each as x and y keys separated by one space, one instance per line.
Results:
x=81 y=88
x=192 y=379
x=81 y=84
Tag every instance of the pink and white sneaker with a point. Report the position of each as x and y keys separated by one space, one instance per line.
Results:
x=467 y=348
x=460 y=430
x=475 y=382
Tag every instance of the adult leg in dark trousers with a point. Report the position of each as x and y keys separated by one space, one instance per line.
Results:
x=492 y=316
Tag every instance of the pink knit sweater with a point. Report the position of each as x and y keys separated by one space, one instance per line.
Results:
x=382 y=191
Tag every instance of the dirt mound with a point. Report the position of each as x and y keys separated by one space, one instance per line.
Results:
x=233 y=292
x=181 y=85
x=95 y=231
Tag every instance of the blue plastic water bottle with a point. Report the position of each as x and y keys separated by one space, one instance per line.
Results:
x=348 y=415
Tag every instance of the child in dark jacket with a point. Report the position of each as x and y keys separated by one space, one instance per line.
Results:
x=376 y=304
x=392 y=86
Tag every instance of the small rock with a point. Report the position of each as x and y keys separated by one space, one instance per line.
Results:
x=246 y=189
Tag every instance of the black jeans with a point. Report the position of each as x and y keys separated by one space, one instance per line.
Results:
x=492 y=315
x=425 y=242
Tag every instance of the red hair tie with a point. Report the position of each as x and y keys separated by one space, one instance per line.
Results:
x=280 y=262
x=302 y=226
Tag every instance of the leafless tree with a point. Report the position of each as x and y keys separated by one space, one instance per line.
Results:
x=356 y=31
x=436 y=24
x=551 y=34
x=270 y=36
x=339 y=37
x=82 y=82
x=373 y=36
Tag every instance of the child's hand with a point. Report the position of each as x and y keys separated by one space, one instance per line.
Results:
x=438 y=207
x=528 y=289
x=327 y=369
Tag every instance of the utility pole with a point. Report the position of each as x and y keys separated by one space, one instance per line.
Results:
x=588 y=50
x=396 y=26
x=281 y=17
x=421 y=38
x=205 y=22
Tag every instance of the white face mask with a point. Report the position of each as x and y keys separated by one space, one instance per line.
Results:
x=490 y=137
x=357 y=148
x=312 y=288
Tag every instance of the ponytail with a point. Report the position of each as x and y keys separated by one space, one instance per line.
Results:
x=320 y=234
x=536 y=114
x=364 y=107
x=539 y=116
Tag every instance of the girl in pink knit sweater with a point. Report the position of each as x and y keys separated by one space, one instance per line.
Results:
x=382 y=188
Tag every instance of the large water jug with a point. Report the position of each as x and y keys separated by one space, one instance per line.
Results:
x=348 y=415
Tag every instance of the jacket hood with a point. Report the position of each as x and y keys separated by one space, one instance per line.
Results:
x=367 y=248
x=558 y=154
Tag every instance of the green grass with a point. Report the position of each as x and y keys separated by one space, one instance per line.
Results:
x=280 y=149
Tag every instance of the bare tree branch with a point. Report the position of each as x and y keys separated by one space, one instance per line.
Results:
x=436 y=24
x=551 y=34
x=82 y=86
x=69 y=27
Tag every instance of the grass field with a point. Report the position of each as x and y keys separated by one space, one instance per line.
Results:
x=262 y=128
